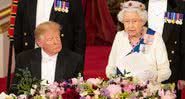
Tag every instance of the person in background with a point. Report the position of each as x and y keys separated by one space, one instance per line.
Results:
x=49 y=61
x=68 y=13
x=138 y=49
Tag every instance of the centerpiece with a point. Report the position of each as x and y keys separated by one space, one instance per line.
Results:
x=120 y=87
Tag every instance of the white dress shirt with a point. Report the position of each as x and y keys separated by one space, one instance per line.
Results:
x=43 y=11
x=156 y=13
x=48 y=66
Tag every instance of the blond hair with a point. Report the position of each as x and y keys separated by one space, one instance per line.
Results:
x=46 y=27
x=133 y=6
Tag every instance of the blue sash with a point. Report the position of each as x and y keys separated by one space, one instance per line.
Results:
x=137 y=47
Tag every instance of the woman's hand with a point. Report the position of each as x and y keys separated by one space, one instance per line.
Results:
x=146 y=75
x=110 y=71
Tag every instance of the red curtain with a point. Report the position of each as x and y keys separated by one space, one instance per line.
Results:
x=100 y=27
x=183 y=94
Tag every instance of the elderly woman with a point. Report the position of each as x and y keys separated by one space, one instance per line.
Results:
x=137 y=49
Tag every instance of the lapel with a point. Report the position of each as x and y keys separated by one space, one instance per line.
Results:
x=60 y=69
x=36 y=64
x=168 y=27
x=32 y=9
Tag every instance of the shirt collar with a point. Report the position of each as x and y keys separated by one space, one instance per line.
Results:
x=46 y=56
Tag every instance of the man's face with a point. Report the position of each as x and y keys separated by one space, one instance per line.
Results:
x=50 y=42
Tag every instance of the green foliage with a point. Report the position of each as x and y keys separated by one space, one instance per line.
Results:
x=124 y=74
x=79 y=75
x=88 y=88
x=123 y=95
x=25 y=81
x=38 y=97
x=102 y=97
x=169 y=86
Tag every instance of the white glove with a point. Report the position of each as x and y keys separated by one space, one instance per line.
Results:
x=146 y=75
x=110 y=71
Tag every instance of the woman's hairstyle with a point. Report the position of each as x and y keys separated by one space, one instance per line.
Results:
x=133 y=6
x=45 y=27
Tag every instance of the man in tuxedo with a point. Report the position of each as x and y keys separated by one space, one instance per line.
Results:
x=50 y=61
x=67 y=13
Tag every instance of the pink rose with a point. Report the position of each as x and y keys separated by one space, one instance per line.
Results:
x=52 y=95
x=129 y=88
x=114 y=89
x=125 y=82
x=74 y=81
x=167 y=94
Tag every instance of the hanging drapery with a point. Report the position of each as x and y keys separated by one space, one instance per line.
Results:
x=100 y=28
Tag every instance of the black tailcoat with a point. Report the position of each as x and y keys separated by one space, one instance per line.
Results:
x=73 y=28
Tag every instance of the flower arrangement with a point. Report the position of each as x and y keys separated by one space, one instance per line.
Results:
x=96 y=88
x=126 y=88
x=120 y=87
